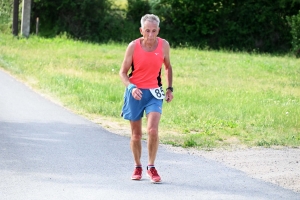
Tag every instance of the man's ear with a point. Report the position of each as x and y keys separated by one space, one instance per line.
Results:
x=141 y=30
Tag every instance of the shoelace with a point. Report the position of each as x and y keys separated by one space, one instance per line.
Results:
x=153 y=171
x=138 y=171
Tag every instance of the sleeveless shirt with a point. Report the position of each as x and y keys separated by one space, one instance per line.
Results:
x=146 y=66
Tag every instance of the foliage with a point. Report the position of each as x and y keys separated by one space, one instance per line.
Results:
x=243 y=25
x=79 y=18
x=5 y=15
x=186 y=22
x=254 y=25
x=136 y=9
x=294 y=22
x=249 y=25
x=93 y=20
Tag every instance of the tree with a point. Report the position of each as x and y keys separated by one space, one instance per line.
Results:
x=231 y=24
x=78 y=18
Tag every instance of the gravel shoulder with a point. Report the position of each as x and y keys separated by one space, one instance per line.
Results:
x=277 y=165
x=280 y=166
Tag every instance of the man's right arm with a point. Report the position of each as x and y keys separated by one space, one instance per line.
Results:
x=126 y=64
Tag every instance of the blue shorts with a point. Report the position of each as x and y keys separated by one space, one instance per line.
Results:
x=133 y=109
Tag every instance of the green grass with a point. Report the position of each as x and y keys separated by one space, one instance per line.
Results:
x=221 y=98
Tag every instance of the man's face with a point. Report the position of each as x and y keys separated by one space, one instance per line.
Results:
x=150 y=30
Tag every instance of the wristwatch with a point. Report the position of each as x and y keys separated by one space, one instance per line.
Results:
x=170 y=88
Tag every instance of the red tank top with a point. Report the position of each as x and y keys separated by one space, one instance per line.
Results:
x=146 y=66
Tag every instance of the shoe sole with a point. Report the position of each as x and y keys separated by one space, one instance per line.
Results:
x=136 y=179
x=154 y=182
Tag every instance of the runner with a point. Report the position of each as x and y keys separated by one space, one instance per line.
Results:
x=144 y=58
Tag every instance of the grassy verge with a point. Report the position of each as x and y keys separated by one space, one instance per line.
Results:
x=221 y=98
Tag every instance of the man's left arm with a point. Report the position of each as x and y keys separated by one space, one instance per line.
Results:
x=168 y=71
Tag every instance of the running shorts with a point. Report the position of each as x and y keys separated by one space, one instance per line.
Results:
x=133 y=109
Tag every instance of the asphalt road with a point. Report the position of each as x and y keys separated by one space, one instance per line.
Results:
x=48 y=152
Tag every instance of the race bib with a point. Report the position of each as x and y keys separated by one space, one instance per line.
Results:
x=158 y=93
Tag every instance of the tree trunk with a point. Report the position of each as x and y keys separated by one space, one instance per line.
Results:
x=15 y=18
x=25 y=26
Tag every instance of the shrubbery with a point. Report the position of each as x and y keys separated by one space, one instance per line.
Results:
x=82 y=19
x=249 y=25
x=294 y=22
x=5 y=16
x=237 y=25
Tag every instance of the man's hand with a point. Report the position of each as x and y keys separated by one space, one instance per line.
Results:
x=169 y=96
x=137 y=93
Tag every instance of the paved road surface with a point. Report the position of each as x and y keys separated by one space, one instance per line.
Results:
x=47 y=152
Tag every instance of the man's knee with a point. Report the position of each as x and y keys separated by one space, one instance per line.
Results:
x=152 y=132
x=136 y=136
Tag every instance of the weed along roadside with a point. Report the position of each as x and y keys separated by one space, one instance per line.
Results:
x=221 y=99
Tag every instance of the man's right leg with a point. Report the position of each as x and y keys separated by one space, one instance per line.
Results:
x=136 y=147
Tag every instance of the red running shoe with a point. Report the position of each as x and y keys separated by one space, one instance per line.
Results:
x=137 y=174
x=152 y=173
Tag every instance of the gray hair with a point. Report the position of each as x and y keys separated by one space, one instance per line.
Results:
x=151 y=18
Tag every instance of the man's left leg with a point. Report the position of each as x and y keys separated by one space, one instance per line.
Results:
x=153 y=119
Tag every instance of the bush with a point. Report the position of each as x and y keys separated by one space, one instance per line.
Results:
x=234 y=25
x=6 y=9
x=88 y=20
x=186 y=22
x=82 y=19
x=248 y=25
x=136 y=9
x=294 y=22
